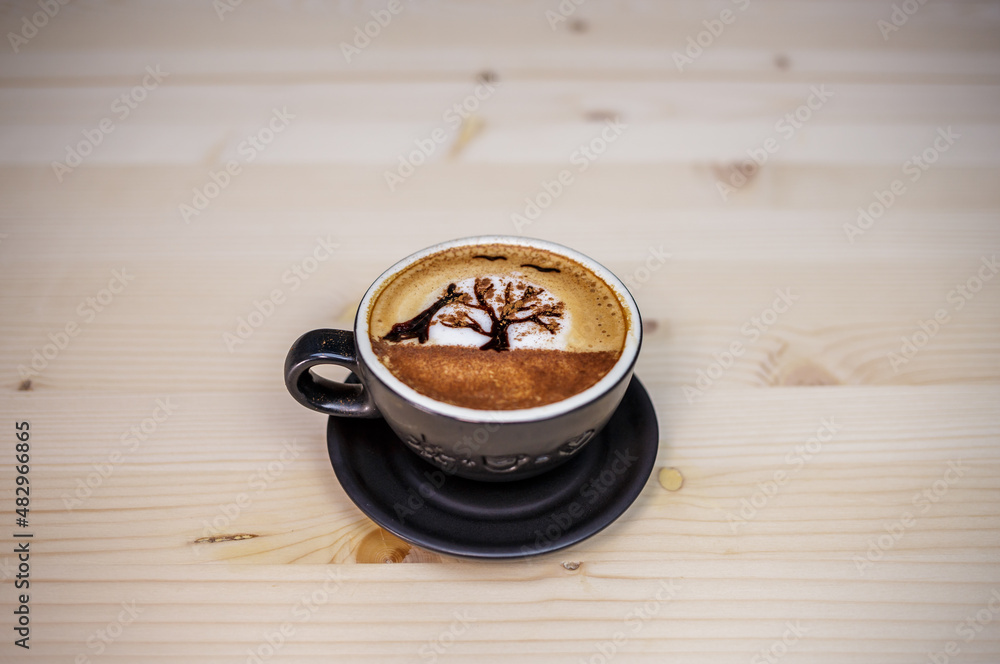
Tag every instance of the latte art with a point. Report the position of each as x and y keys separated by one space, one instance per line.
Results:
x=497 y=327
x=493 y=312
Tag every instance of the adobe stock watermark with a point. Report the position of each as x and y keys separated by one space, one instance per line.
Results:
x=424 y=148
x=714 y=28
x=99 y=641
x=898 y=17
x=641 y=275
x=129 y=441
x=777 y=650
x=303 y=610
x=927 y=329
x=968 y=630
x=795 y=460
x=223 y=7
x=257 y=482
x=365 y=34
x=293 y=277
x=249 y=148
x=879 y=545
x=558 y=523
x=37 y=21
x=121 y=108
x=87 y=311
x=7 y=570
x=913 y=168
x=434 y=480
x=446 y=639
x=785 y=128
x=564 y=10
x=632 y=623
x=582 y=158
x=752 y=330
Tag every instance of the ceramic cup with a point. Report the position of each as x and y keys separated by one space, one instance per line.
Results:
x=489 y=445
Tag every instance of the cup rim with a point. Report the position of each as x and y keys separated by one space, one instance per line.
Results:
x=618 y=372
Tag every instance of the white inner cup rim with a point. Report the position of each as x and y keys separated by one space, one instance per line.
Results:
x=630 y=348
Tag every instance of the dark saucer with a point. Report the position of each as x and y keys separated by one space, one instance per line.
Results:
x=427 y=507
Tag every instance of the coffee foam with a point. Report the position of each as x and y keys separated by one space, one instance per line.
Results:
x=591 y=317
x=522 y=335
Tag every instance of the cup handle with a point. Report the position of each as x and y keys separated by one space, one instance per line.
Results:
x=318 y=393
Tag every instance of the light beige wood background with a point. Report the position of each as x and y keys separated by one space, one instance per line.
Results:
x=800 y=561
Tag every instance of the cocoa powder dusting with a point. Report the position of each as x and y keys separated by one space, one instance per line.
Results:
x=519 y=378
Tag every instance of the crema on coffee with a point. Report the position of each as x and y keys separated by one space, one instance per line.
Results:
x=497 y=326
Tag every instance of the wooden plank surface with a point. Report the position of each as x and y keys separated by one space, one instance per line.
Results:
x=223 y=536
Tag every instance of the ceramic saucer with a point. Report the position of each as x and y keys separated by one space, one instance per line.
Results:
x=426 y=506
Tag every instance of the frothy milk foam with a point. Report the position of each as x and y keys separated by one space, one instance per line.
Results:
x=497 y=326
x=520 y=335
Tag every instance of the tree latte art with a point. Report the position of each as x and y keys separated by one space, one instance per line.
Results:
x=499 y=302
x=497 y=326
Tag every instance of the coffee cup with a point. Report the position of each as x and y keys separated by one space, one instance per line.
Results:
x=494 y=358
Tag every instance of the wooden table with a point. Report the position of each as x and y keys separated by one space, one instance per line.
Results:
x=828 y=493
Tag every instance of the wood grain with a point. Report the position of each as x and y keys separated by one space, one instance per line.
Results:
x=826 y=502
x=252 y=464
